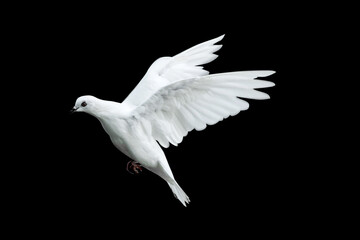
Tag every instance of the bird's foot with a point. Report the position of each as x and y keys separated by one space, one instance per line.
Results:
x=133 y=167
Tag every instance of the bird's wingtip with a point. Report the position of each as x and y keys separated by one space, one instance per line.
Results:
x=221 y=37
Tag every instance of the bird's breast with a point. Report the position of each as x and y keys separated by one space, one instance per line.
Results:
x=134 y=139
x=116 y=129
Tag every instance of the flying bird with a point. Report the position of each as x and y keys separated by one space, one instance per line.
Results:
x=175 y=96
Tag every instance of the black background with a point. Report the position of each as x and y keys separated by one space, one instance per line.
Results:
x=247 y=174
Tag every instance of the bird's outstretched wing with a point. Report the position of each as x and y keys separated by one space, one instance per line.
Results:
x=166 y=70
x=183 y=105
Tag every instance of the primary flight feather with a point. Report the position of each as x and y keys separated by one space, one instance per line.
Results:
x=175 y=96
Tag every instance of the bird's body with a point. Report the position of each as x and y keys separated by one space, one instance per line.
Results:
x=134 y=139
x=175 y=96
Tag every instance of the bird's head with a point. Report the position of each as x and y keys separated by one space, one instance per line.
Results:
x=86 y=104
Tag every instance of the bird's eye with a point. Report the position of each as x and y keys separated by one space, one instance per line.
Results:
x=83 y=104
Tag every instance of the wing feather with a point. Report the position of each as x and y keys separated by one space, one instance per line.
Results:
x=182 y=106
x=166 y=70
x=176 y=95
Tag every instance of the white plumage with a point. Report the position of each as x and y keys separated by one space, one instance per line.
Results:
x=175 y=96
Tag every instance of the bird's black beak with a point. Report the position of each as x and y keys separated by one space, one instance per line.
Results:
x=73 y=110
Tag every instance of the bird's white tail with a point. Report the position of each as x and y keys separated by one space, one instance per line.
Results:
x=179 y=193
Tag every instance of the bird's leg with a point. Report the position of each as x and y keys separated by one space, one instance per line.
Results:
x=133 y=167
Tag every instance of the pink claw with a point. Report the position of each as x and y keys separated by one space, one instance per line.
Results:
x=133 y=167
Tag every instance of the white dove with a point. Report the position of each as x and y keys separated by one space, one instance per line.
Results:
x=175 y=96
